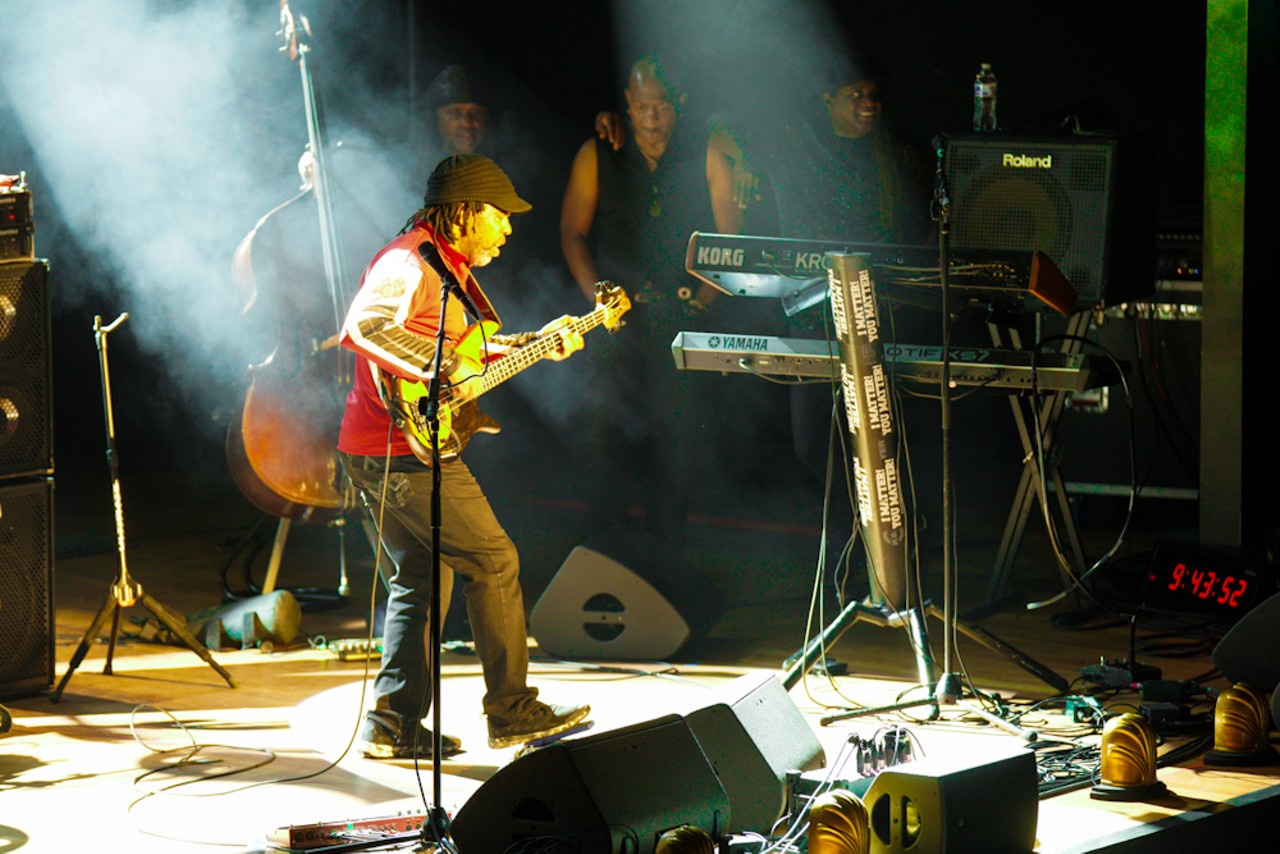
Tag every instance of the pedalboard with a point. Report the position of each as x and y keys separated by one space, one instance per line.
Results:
x=1118 y=674
x=326 y=834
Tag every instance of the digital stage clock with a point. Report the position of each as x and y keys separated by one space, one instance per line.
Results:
x=1186 y=579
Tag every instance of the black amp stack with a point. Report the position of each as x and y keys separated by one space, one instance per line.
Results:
x=26 y=451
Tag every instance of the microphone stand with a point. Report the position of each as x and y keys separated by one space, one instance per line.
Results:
x=949 y=691
x=125 y=592
x=949 y=688
x=436 y=826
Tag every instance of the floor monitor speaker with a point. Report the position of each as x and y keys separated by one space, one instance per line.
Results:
x=625 y=596
x=1248 y=652
x=1275 y=706
x=753 y=734
x=26 y=408
x=950 y=805
x=26 y=587
x=612 y=791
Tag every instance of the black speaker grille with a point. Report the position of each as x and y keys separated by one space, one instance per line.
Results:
x=1051 y=196
x=26 y=587
x=26 y=422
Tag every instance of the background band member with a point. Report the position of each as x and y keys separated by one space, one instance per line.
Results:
x=626 y=216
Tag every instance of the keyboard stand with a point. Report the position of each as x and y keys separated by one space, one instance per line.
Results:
x=1026 y=409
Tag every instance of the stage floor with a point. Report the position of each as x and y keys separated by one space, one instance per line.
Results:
x=115 y=764
x=104 y=768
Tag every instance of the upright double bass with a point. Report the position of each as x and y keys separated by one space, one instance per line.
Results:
x=281 y=443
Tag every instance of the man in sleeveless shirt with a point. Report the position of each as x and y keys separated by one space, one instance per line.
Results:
x=626 y=217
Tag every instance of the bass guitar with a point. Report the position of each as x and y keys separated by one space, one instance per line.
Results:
x=407 y=399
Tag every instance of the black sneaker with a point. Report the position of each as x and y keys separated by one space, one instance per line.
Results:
x=539 y=721
x=378 y=742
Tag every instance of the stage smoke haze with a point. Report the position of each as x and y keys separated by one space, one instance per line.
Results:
x=159 y=133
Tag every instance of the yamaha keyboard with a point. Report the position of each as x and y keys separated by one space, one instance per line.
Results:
x=795 y=271
x=970 y=366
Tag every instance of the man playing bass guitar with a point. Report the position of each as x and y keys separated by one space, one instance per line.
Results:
x=392 y=326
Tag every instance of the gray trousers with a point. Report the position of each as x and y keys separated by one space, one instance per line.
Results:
x=472 y=544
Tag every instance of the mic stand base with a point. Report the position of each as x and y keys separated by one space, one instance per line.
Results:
x=112 y=607
x=938 y=701
x=435 y=829
x=913 y=619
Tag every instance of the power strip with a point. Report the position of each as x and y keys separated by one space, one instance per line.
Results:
x=302 y=837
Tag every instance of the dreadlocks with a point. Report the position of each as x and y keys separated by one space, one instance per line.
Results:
x=444 y=219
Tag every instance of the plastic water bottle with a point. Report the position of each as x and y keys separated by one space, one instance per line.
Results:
x=984 y=99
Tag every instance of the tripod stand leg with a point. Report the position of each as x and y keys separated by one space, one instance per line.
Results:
x=111 y=640
x=990 y=641
x=178 y=627
x=919 y=635
x=841 y=624
x=85 y=643
x=277 y=555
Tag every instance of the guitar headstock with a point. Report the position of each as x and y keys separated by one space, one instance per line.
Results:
x=291 y=26
x=615 y=302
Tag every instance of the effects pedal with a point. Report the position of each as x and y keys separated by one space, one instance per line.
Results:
x=325 y=834
x=355 y=649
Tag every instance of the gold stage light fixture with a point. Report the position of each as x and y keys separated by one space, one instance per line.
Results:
x=1241 y=729
x=1128 y=761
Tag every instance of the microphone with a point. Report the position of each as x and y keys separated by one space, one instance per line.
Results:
x=429 y=253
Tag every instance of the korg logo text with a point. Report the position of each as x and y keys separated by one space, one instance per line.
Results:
x=718 y=256
x=1026 y=161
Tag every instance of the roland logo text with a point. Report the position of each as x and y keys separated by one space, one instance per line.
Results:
x=1026 y=161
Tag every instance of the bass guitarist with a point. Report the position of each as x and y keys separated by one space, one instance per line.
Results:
x=392 y=326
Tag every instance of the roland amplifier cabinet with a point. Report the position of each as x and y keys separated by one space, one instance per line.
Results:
x=1087 y=201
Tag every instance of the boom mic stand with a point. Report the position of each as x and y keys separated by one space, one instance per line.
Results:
x=435 y=829
x=125 y=592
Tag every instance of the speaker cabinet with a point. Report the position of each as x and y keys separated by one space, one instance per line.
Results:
x=26 y=587
x=753 y=734
x=1064 y=196
x=945 y=805
x=26 y=410
x=1164 y=381
x=615 y=791
x=1248 y=651
x=624 y=596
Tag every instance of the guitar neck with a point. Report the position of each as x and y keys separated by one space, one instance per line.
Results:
x=515 y=361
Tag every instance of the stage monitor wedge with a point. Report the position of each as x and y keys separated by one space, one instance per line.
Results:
x=1087 y=201
x=624 y=595
x=753 y=734
x=612 y=791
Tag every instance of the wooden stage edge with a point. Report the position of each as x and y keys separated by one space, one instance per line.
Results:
x=107 y=756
